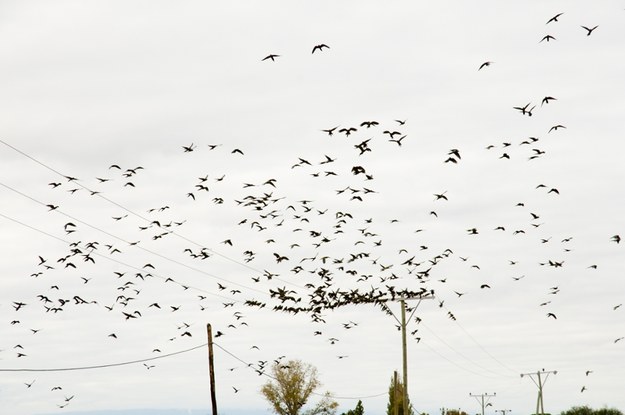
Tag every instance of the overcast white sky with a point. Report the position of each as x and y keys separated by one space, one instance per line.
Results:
x=89 y=84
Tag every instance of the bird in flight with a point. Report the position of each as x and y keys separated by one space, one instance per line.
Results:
x=347 y=131
x=555 y=128
x=320 y=47
x=330 y=131
x=524 y=109
x=589 y=30
x=554 y=18
x=547 y=38
x=271 y=56
x=485 y=64
x=546 y=100
x=368 y=124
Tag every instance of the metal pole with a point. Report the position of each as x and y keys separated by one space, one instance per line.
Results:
x=211 y=368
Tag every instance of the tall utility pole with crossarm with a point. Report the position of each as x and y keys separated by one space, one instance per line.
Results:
x=403 y=323
x=481 y=400
x=540 y=382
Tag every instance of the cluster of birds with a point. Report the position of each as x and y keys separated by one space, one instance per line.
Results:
x=554 y=19
x=305 y=256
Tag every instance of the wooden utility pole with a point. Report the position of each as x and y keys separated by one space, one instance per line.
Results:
x=211 y=368
x=402 y=324
x=404 y=357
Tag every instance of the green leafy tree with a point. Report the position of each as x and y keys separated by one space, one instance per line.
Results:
x=396 y=399
x=608 y=411
x=358 y=410
x=586 y=410
x=292 y=385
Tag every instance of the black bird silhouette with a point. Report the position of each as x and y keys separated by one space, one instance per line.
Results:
x=271 y=56
x=589 y=30
x=554 y=18
x=524 y=109
x=392 y=134
x=555 y=128
x=368 y=124
x=330 y=131
x=347 y=131
x=547 y=99
x=547 y=38
x=320 y=47
x=397 y=141
x=485 y=64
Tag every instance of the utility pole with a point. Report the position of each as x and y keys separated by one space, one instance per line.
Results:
x=211 y=368
x=404 y=347
x=404 y=355
x=540 y=382
x=481 y=397
x=503 y=411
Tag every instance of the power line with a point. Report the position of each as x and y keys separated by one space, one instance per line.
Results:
x=66 y=369
x=480 y=346
x=263 y=373
x=133 y=212
x=454 y=363
x=115 y=260
x=123 y=240
x=461 y=354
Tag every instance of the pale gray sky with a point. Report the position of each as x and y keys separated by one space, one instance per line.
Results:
x=89 y=84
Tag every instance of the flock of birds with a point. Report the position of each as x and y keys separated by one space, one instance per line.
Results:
x=301 y=256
